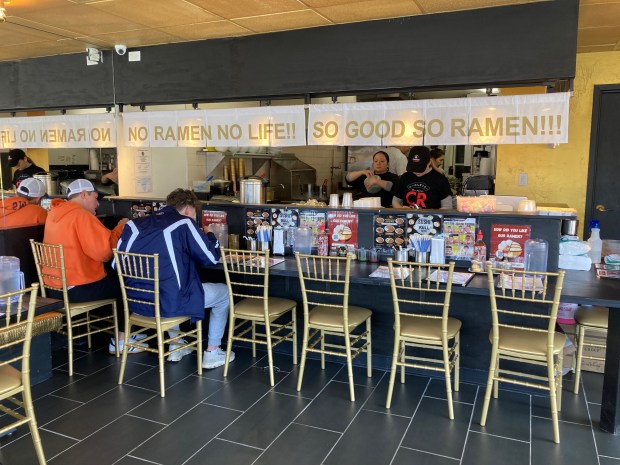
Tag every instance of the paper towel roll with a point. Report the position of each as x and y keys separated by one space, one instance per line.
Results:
x=486 y=165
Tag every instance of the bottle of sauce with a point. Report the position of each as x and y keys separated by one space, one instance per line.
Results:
x=322 y=242
x=480 y=248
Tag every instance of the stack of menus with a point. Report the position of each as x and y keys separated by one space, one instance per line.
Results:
x=390 y=230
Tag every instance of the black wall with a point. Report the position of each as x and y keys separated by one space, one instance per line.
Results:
x=518 y=44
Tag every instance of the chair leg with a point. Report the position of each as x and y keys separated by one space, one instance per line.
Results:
x=70 y=344
x=368 y=350
x=125 y=351
x=34 y=430
x=231 y=333
x=304 y=352
x=395 y=353
x=446 y=366
x=490 y=382
x=553 y=400
x=160 y=357
x=403 y=349
x=253 y=339
x=580 y=337
x=115 y=319
x=199 y=351
x=88 y=338
x=496 y=378
x=269 y=351
x=294 y=323
x=347 y=343
x=457 y=363
x=558 y=380
x=322 y=350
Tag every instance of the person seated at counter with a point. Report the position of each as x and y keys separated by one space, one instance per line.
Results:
x=25 y=167
x=376 y=182
x=421 y=186
x=172 y=232
x=87 y=246
x=24 y=209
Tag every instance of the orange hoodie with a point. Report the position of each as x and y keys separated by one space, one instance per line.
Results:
x=87 y=242
x=16 y=211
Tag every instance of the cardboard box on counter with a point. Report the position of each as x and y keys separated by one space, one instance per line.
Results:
x=593 y=337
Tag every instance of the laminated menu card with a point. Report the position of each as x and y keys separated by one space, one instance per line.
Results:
x=519 y=282
x=213 y=217
x=508 y=242
x=460 y=236
x=423 y=223
x=459 y=278
x=390 y=230
x=384 y=272
x=343 y=228
x=607 y=271
x=314 y=220
x=255 y=217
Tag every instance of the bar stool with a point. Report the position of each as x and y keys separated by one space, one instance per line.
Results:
x=421 y=322
x=325 y=287
x=247 y=278
x=525 y=336
x=50 y=262
x=591 y=319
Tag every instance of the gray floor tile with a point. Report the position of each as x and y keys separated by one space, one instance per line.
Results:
x=58 y=380
x=371 y=439
x=243 y=361
x=265 y=420
x=405 y=398
x=332 y=409
x=315 y=379
x=173 y=373
x=486 y=449
x=49 y=408
x=299 y=445
x=593 y=385
x=406 y=456
x=508 y=415
x=223 y=452
x=573 y=406
x=109 y=444
x=21 y=450
x=96 y=414
x=188 y=434
x=609 y=461
x=466 y=393
x=360 y=376
x=127 y=460
x=581 y=449
x=606 y=444
x=433 y=431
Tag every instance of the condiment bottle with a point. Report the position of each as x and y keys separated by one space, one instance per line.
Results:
x=480 y=248
x=322 y=242
x=595 y=242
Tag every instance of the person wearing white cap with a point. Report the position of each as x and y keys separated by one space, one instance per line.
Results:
x=24 y=209
x=87 y=245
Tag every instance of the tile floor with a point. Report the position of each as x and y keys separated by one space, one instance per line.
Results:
x=89 y=419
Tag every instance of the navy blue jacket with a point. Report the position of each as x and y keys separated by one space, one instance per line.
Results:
x=181 y=246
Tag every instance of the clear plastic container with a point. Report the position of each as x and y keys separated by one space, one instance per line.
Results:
x=595 y=242
x=536 y=253
x=303 y=240
x=11 y=278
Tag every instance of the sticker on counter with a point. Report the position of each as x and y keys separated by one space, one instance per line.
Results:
x=285 y=217
x=213 y=217
x=508 y=242
x=390 y=230
x=460 y=236
x=423 y=224
x=255 y=217
x=342 y=228
x=314 y=220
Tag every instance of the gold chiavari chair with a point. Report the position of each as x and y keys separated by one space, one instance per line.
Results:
x=325 y=290
x=421 y=323
x=247 y=278
x=525 y=337
x=139 y=278
x=592 y=320
x=15 y=343
x=50 y=262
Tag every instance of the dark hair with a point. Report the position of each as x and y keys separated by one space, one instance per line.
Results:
x=436 y=153
x=181 y=198
x=387 y=157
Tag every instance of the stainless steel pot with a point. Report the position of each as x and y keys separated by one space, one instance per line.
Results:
x=252 y=190
x=569 y=227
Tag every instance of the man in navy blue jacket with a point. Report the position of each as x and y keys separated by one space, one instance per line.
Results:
x=173 y=233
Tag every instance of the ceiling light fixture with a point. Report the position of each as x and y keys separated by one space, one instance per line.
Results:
x=2 y=12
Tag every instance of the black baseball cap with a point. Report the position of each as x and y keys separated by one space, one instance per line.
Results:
x=419 y=157
x=15 y=155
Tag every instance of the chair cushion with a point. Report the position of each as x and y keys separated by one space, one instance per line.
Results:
x=81 y=307
x=525 y=342
x=331 y=317
x=592 y=316
x=253 y=308
x=10 y=378
x=427 y=328
x=150 y=322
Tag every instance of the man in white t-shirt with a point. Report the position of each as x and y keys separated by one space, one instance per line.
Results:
x=398 y=159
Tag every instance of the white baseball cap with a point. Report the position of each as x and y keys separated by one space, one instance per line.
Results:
x=31 y=187
x=80 y=185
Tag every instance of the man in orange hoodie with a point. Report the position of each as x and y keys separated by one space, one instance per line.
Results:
x=24 y=209
x=87 y=245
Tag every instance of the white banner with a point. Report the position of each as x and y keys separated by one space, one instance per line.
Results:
x=72 y=131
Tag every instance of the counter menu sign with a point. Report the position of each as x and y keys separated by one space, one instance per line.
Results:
x=314 y=220
x=255 y=217
x=390 y=231
x=342 y=228
x=213 y=217
x=508 y=242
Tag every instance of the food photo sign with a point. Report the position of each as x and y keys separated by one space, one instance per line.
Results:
x=508 y=242
x=343 y=228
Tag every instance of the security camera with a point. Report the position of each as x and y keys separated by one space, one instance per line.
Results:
x=120 y=49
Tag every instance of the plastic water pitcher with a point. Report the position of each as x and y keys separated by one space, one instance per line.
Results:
x=536 y=253
x=303 y=240
x=11 y=278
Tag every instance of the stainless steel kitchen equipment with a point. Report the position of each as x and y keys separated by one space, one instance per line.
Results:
x=252 y=190
x=50 y=180
x=292 y=174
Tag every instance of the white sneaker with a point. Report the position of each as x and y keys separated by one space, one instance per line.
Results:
x=179 y=354
x=215 y=358
x=132 y=350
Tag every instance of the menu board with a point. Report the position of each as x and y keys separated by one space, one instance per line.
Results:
x=255 y=217
x=343 y=228
x=460 y=236
x=390 y=230
x=423 y=223
x=508 y=242
x=313 y=219
x=213 y=217
x=140 y=209
x=284 y=217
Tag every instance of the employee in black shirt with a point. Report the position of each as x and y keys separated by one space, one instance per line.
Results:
x=25 y=167
x=378 y=182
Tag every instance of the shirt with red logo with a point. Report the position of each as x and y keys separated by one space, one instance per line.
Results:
x=426 y=191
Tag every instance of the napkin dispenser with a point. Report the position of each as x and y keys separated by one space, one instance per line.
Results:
x=278 y=241
x=438 y=250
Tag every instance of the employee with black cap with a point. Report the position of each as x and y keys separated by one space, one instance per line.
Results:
x=421 y=186
x=25 y=167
